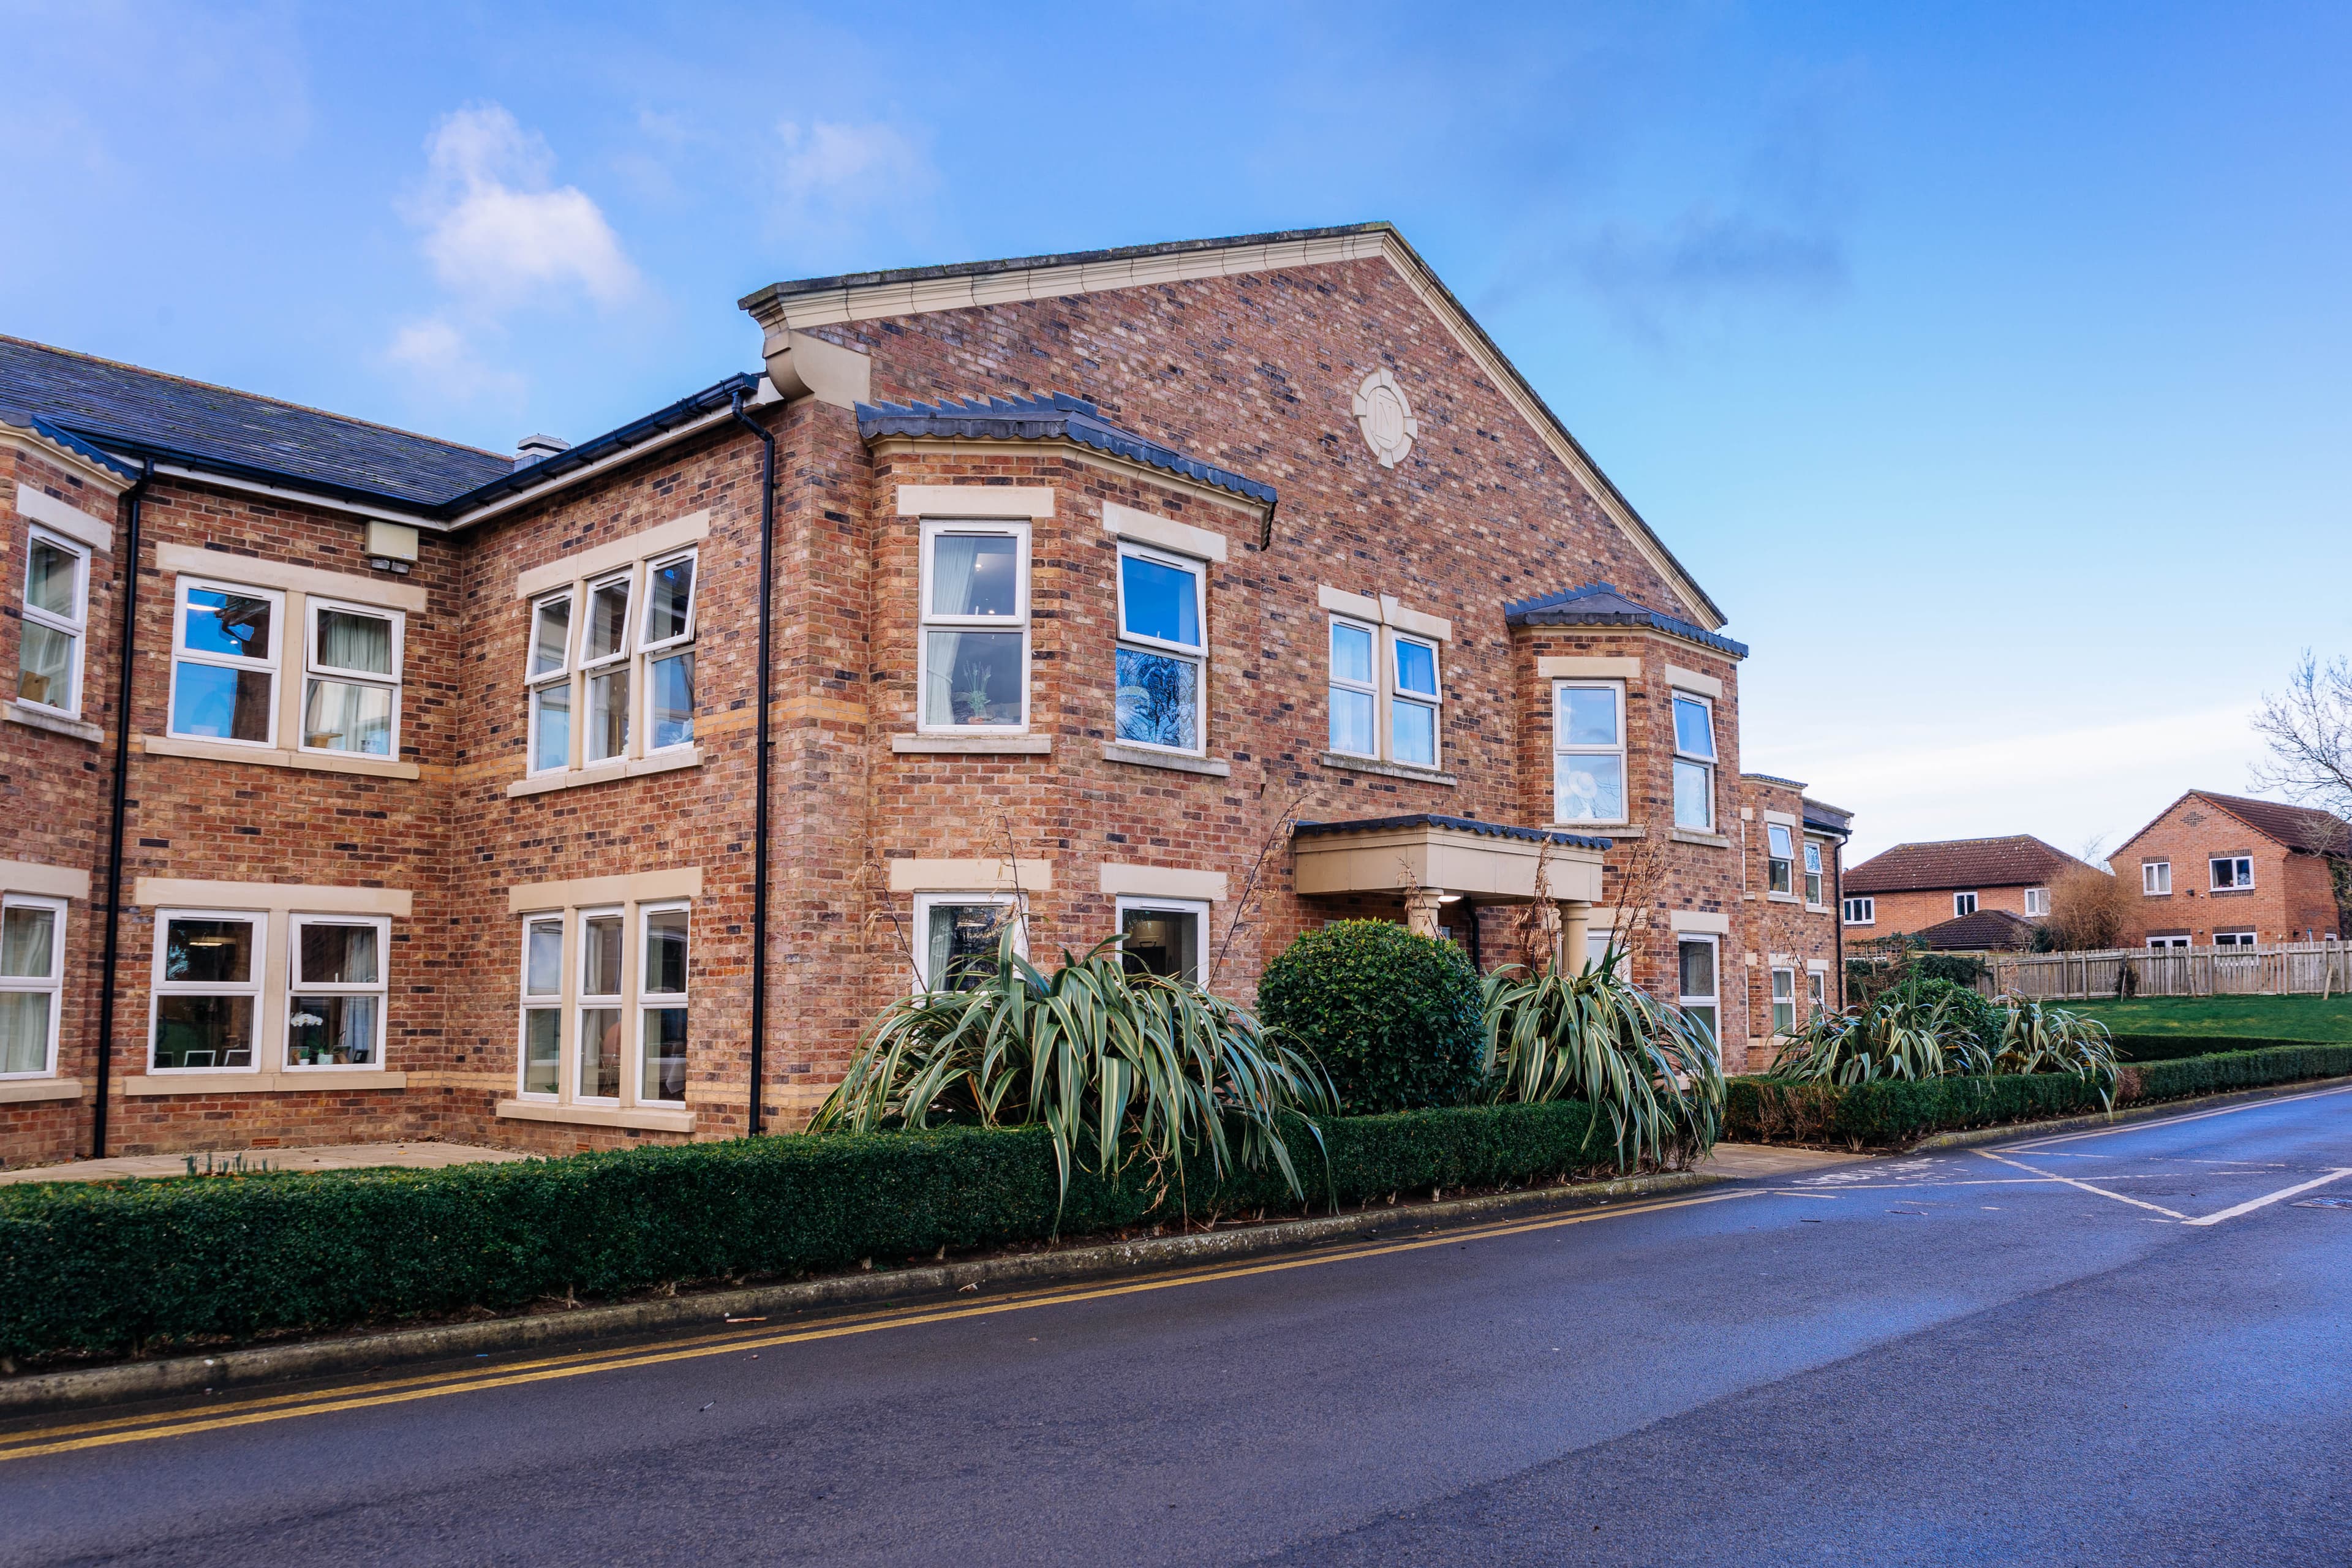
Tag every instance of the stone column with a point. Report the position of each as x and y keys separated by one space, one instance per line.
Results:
x=1420 y=911
x=1576 y=920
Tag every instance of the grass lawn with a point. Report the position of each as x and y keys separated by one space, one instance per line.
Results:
x=2271 y=1018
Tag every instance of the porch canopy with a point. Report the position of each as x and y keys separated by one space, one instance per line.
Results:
x=1428 y=859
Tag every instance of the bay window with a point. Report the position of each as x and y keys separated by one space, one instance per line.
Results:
x=1813 y=872
x=1694 y=762
x=973 y=654
x=224 y=662
x=609 y=667
x=1162 y=647
x=351 y=700
x=207 y=989
x=604 y=1006
x=334 y=1014
x=32 y=983
x=1588 y=751
x=55 y=624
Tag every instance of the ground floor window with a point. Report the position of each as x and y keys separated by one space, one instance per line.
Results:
x=2233 y=939
x=334 y=1013
x=1163 y=936
x=1784 y=1001
x=1817 y=990
x=2162 y=942
x=32 y=982
x=1695 y=965
x=956 y=936
x=207 y=989
x=617 y=975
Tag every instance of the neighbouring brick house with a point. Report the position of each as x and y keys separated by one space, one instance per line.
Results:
x=1079 y=581
x=1905 y=890
x=2222 y=870
x=1791 y=847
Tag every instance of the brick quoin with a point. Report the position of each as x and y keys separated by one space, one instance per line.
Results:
x=1252 y=371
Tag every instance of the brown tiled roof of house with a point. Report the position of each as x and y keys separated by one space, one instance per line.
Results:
x=2296 y=826
x=2020 y=860
x=1985 y=930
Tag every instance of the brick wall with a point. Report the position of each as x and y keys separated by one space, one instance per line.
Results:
x=2291 y=901
x=1914 y=911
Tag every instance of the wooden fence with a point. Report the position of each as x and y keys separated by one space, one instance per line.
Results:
x=2306 y=968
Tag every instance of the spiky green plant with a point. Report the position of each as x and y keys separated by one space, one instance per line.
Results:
x=1117 y=1067
x=1650 y=1069
x=1912 y=1031
x=2038 y=1038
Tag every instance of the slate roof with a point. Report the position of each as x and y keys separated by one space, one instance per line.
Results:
x=1984 y=932
x=2303 y=827
x=1600 y=604
x=1462 y=824
x=2020 y=860
x=1823 y=818
x=1055 y=416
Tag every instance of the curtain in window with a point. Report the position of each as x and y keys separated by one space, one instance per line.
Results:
x=953 y=557
x=25 y=936
x=354 y=642
x=23 y=1031
x=347 y=717
x=45 y=667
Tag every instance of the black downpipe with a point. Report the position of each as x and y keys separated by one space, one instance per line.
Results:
x=759 y=767
x=108 y=963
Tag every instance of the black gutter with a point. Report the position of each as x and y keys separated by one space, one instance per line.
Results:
x=760 y=765
x=108 y=962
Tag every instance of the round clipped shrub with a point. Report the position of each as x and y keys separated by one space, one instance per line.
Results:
x=1982 y=1020
x=1392 y=1018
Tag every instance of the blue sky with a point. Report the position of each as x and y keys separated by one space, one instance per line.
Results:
x=1988 y=363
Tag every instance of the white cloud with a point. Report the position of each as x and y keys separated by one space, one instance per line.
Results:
x=440 y=352
x=498 y=232
x=839 y=186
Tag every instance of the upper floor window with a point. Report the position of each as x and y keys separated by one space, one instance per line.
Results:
x=2232 y=872
x=1413 y=709
x=1963 y=904
x=32 y=982
x=1779 y=859
x=1694 y=762
x=2037 y=901
x=1162 y=611
x=352 y=702
x=1355 y=695
x=974 y=654
x=1588 y=751
x=1385 y=695
x=1813 y=872
x=224 y=662
x=617 y=650
x=56 y=623
x=2156 y=878
x=1861 y=912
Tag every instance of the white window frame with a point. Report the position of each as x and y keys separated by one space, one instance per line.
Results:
x=1434 y=700
x=1562 y=750
x=159 y=987
x=297 y=987
x=1969 y=900
x=2236 y=936
x=564 y=675
x=1334 y=683
x=920 y=946
x=2213 y=865
x=648 y=652
x=315 y=671
x=616 y=1000
x=1196 y=908
x=1817 y=992
x=1713 y=1000
x=2156 y=878
x=591 y=670
x=647 y=1001
x=76 y=629
x=2037 y=901
x=52 y=984
x=1867 y=907
x=1198 y=657
x=269 y=664
x=1785 y=864
x=1676 y=697
x=1780 y=1025
x=544 y=1001
x=929 y=622
x=1816 y=875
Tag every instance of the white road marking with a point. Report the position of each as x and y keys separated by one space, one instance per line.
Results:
x=2153 y=1124
x=2086 y=1186
x=2270 y=1198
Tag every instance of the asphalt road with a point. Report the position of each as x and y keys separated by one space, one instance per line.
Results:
x=1949 y=1359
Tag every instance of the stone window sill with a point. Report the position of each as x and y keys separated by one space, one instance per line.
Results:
x=1387 y=770
x=971 y=745
x=606 y=772
x=645 y=1118
x=1602 y=829
x=1712 y=840
x=1143 y=757
x=1782 y=897
x=54 y=723
x=276 y=757
x=19 y=1090
x=286 y=1082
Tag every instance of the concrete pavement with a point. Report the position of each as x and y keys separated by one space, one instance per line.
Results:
x=2026 y=1354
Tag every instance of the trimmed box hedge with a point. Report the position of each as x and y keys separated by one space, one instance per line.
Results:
x=2222 y=1071
x=2173 y=1047
x=123 y=1266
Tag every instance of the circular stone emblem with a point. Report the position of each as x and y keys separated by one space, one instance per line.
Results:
x=1385 y=417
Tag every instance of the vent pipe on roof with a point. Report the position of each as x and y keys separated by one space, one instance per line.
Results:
x=538 y=449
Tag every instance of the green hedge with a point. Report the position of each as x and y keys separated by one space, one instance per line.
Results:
x=2173 y=1047
x=1762 y=1111
x=118 y=1266
x=2220 y=1073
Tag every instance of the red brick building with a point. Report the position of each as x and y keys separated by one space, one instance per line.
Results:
x=1905 y=890
x=2225 y=871
x=1196 y=594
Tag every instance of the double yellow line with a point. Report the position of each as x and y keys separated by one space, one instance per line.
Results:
x=107 y=1433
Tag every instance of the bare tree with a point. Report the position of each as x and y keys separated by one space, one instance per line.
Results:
x=2309 y=734
x=1252 y=885
x=2088 y=911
